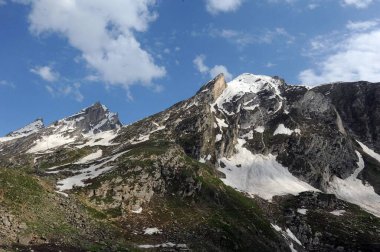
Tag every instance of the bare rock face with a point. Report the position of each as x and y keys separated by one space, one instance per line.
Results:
x=358 y=104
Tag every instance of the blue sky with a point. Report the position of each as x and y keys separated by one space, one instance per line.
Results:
x=140 y=57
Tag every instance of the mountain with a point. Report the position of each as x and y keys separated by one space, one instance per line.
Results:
x=253 y=164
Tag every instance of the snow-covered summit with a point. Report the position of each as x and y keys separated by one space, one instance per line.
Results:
x=250 y=83
x=250 y=86
x=94 y=119
x=31 y=128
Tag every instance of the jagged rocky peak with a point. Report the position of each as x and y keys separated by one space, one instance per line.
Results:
x=29 y=129
x=214 y=88
x=94 y=119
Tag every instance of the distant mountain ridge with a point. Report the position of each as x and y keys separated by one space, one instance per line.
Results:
x=257 y=162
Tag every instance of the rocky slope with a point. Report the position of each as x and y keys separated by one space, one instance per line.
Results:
x=253 y=163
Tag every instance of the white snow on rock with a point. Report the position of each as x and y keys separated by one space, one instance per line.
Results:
x=218 y=137
x=23 y=132
x=302 y=211
x=144 y=138
x=248 y=83
x=370 y=152
x=99 y=139
x=288 y=235
x=353 y=190
x=260 y=129
x=292 y=236
x=87 y=173
x=283 y=130
x=260 y=175
x=151 y=231
x=137 y=211
x=51 y=142
x=338 y=212
x=90 y=157
x=163 y=245
x=29 y=129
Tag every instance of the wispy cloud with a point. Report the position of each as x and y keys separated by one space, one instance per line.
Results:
x=357 y=3
x=349 y=55
x=46 y=73
x=4 y=83
x=64 y=90
x=362 y=25
x=242 y=38
x=212 y=71
x=2 y=2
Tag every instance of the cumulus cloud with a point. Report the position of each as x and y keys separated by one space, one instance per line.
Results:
x=217 y=6
x=104 y=34
x=357 y=3
x=355 y=56
x=46 y=73
x=213 y=71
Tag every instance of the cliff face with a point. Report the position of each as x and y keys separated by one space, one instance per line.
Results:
x=358 y=105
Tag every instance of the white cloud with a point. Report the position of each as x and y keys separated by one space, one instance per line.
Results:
x=355 y=56
x=2 y=2
x=46 y=73
x=358 y=3
x=213 y=71
x=243 y=38
x=5 y=83
x=217 y=6
x=362 y=25
x=104 y=33
x=64 y=90
x=200 y=65
x=220 y=69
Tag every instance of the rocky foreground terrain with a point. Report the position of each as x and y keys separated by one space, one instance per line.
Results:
x=250 y=165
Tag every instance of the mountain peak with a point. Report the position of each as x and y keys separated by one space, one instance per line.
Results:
x=29 y=129
x=215 y=87
x=93 y=119
x=257 y=80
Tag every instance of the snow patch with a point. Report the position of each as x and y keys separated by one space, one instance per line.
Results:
x=292 y=236
x=283 y=130
x=48 y=142
x=137 y=211
x=92 y=156
x=88 y=173
x=218 y=137
x=260 y=175
x=163 y=245
x=151 y=231
x=260 y=129
x=288 y=235
x=338 y=212
x=302 y=211
x=369 y=152
x=353 y=190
